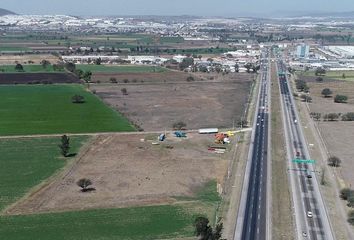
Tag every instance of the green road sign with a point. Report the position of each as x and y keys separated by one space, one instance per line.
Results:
x=303 y=161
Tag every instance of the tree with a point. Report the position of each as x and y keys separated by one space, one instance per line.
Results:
x=77 y=99
x=79 y=73
x=186 y=62
x=87 y=76
x=306 y=98
x=350 y=201
x=179 y=125
x=326 y=92
x=84 y=183
x=351 y=217
x=348 y=116
x=70 y=66
x=98 y=61
x=334 y=161
x=45 y=63
x=320 y=71
x=19 y=67
x=248 y=66
x=340 y=99
x=319 y=79
x=124 y=91
x=343 y=75
x=332 y=116
x=301 y=86
x=205 y=232
x=316 y=116
x=65 y=145
x=345 y=193
x=113 y=80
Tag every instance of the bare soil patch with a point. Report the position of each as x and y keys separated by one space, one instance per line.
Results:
x=37 y=78
x=171 y=76
x=198 y=104
x=127 y=171
x=24 y=58
x=337 y=135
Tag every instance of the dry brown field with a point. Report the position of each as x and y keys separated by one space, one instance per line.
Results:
x=128 y=170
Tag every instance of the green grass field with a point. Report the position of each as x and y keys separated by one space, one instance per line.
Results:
x=119 y=69
x=140 y=223
x=13 y=49
x=349 y=75
x=27 y=162
x=27 y=69
x=47 y=109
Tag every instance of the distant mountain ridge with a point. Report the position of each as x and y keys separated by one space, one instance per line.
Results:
x=6 y=12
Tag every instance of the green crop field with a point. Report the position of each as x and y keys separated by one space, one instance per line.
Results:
x=27 y=162
x=119 y=69
x=27 y=69
x=47 y=109
x=13 y=49
x=171 y=40
x=140 y=223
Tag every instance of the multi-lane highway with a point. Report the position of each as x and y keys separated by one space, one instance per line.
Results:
x=310 y=214
x=252 y=215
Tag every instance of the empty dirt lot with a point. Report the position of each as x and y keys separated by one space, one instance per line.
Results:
x=128 y=170
x=337 y=135
x=198 y=104
x=23 y=59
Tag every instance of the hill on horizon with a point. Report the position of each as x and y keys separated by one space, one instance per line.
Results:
x=6 y=12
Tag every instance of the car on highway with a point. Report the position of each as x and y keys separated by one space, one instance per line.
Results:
x=309 y=214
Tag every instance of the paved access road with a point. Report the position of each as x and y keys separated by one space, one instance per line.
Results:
x=312 y=221
x=252 y=214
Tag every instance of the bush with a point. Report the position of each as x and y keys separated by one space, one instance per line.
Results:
x=190 y=79
x=334 y=161
x=179 y=125
x=351 y=217
x=301 y=86
x=345 y=193
x=306 y=98
x=348 y=116
x=340 y=99
x=319 y=79
x=113 y=80
x=326 y=92
x=78 y=99
x=124 y=91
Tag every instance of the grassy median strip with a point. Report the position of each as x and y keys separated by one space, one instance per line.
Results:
x=282 y=220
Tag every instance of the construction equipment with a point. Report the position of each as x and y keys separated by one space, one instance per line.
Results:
x=222 y=138
x=161 y=137
x=180 y=134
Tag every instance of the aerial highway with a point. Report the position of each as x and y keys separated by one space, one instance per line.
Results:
x=311 y=218
x=252 y=215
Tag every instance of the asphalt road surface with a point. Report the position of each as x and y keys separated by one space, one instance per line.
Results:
x=252 y=217
x=310 y=214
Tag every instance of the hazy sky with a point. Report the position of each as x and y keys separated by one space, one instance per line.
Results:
x=173 y=7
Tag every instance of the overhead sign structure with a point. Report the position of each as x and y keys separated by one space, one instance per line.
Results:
x=303 y=161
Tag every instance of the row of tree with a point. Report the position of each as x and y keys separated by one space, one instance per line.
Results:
x=348 y=195
x=349 y=116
